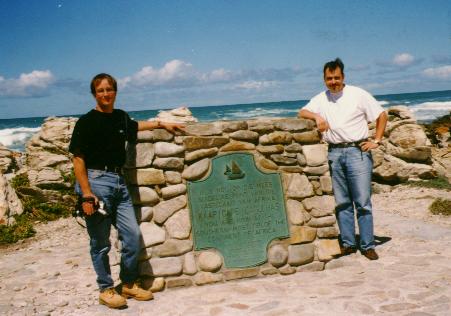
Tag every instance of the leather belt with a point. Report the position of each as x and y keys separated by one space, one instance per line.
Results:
x=350 y=144
x=107 y=168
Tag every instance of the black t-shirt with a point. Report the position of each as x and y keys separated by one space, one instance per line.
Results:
x=100 y=137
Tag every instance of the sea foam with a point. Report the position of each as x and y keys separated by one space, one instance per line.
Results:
x=15 y=138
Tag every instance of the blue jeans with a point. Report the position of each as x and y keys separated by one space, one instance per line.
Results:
x=351 y=171
x=111 y=189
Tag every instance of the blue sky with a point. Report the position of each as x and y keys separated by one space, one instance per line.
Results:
x=211 y=52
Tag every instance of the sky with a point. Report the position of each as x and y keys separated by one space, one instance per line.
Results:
x=169 y=53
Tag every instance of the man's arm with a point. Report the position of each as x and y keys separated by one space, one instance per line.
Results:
x=320 y=122
x=149 y=125
x=381 y=122
x=81 y=175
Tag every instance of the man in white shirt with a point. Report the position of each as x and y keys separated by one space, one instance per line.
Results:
x=342 y=114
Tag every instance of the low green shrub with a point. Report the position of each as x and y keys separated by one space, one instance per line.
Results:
x=436 y=183
x=23 y=228
x=440 y=206
x=21 y=180
x=35 y=209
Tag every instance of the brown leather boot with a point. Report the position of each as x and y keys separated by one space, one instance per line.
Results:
x=112 y=299
x=135 y=291
x=370 y=254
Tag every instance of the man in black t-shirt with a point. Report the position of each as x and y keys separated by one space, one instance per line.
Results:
x=98 y=148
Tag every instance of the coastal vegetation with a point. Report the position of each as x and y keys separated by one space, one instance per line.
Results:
x=441 y=206
x=439 y=183
x=36 y=208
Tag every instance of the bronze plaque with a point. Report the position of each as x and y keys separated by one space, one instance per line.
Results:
x=238 y=210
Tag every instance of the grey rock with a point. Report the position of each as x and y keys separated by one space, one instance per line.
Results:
x=10 y=204
x=45 y=176
x=204 y=129
x=282 y=159
x=316 y=155
x=194 y=142
x=145 y=213
x=322 y=221
x=409 y=135
x=152 y=234
x=245 y=135
x=179 y=225
x=277 y=256
x=319 y=206
x=320 y=170
x=209 y=261
x=189 y=264
x=161 y=267
x=297 y=186
x=139 y=155
x=311 y=267
x=293 y=148
x=293 y=125
x=327 y=232
x=235 y=145
x=173 y=190
x=326 y=184
x=202 y=278
x=271 y=149
x=301 y=159
x=164 y=149
x=166 y=208
x=295 y=211
x=196 y=170
x=160 y=134
x=147 y=176
x=309 y=137
x=201 y=153
x=261 y=126
x=300 y=254
x=413 y=154
x=277 y=137
x=173 y=177
x=143 y=196
x=173 y=247
x=168 y=163
x=229 y=127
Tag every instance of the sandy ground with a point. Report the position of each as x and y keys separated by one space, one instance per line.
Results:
x=51 y=274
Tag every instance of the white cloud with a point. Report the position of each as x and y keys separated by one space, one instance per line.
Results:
x=403 y=60
x=30 y=84
x=178 y=73
x=443 y=72
x=255 y=85
x=173 y=71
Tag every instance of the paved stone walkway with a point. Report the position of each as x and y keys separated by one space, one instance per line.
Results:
x=51 y=274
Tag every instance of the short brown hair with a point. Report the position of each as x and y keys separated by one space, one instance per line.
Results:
x=334 y=64
x=97 y=78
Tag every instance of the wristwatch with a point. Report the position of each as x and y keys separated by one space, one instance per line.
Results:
x=377 y=141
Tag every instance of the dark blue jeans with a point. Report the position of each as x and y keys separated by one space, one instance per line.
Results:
x=111 y=189
x=351 y=171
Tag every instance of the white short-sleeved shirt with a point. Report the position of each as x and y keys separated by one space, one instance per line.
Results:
x=347 y=113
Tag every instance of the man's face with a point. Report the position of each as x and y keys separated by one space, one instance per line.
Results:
x=334 y=79
x=105 y=94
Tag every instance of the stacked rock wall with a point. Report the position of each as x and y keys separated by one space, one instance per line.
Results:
x=160 y=165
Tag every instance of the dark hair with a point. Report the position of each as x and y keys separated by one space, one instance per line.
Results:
x=334 y=64
x=96 y=80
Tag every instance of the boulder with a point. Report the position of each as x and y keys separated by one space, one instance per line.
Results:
x=179 y=115
x=10 y=204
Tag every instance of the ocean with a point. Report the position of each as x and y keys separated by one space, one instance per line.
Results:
x=426 y=106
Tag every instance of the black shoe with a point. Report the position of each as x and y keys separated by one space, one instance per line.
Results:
x=370 y=254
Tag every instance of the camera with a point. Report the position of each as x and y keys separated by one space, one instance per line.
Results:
x=98 y=207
